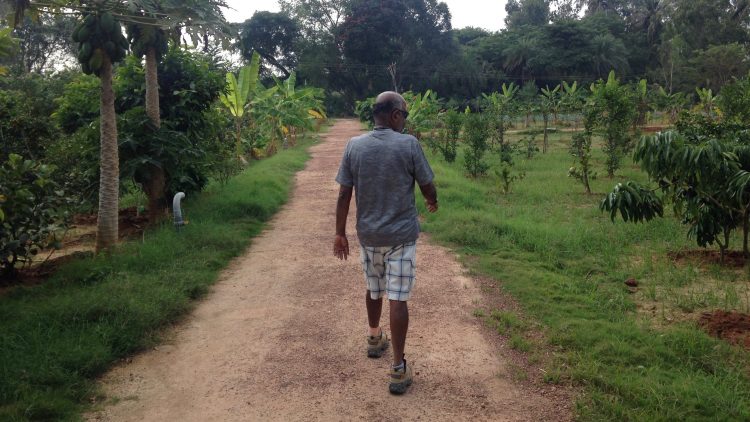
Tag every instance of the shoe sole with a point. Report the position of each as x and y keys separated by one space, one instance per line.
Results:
x=399 y=388
x=376 y=353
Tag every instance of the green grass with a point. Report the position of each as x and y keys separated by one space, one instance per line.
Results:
x=55 y=339
x=565 y=262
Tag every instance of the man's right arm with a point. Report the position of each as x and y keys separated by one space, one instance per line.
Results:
x=341 y=243
x=430 y=195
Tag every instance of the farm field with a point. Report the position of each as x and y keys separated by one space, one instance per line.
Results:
x=638 y=353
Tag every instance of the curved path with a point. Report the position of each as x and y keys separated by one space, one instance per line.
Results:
x=281 y=335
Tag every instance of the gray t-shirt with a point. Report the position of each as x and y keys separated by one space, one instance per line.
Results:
x=382 y=166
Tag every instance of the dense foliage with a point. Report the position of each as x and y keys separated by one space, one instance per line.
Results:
x=32 y=210
x=357 y=48
x=701 y=169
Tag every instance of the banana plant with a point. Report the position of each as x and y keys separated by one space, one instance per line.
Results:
x=670 y=103
x=423 y=112
x=549 y=104
x=502 y=106
x=707 y=102
x=286 y=110
x=641 y=104
x=572 y=101
x=236 y=99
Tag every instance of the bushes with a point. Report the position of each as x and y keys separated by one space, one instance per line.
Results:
x=475 y=128
x=449 y=135
x=32 y=209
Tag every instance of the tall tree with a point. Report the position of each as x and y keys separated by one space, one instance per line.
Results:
x=44 y=43
x=273 y=36
x=394 y=42
x=527 y=12
x=318 y=19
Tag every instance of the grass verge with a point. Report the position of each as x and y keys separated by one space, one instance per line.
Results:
x=55 y=339
x=565 y=262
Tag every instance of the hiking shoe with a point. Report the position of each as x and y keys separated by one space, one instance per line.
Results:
x=376 y=345
x=401 y=379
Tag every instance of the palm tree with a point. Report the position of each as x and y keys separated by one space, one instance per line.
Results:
x=608 y=54
x=517 y=56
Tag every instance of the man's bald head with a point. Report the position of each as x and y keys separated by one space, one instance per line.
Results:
x=385 y=104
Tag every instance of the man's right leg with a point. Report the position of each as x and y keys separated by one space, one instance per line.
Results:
x=377 y=341
x=372 y=264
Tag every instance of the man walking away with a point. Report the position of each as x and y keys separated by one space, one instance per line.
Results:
x=381 y=167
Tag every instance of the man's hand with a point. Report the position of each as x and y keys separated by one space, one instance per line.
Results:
x=430 y=196
x=431 y=207
x=341 y=247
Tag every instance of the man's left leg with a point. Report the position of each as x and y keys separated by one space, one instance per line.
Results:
x=400 y=273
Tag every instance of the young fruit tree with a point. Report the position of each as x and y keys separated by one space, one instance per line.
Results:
x=706 y=182
x=475 y=136
x=613 y=111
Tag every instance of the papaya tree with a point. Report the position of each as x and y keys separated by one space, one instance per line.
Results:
x=102 y=44
x=149 y=26
x=150 y=41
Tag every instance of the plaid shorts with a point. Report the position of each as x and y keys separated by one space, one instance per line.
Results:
x=390 y=270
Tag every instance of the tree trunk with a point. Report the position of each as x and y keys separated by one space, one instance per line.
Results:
x=157 y=180
x=745 y=229
x=586 y=181
x=546 y=136
x=723 y=248
x=109 y=179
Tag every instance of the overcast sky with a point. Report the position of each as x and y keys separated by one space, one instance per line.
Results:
x=487 y=14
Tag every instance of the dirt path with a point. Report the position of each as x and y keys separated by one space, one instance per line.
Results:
x=281 y=336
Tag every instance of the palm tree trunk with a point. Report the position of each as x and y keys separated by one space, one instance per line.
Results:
x=109 y=179
x=154 y=187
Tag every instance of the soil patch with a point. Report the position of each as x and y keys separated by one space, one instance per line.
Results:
x=77 y=243
x=733 y=327
x=704 y=258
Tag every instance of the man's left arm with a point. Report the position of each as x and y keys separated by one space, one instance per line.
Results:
x=341 y=244
x=430 y=196
x=424 y=176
